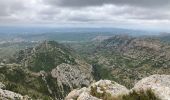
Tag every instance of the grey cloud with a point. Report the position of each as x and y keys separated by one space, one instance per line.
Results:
x=85 y=11
x=84 y=3
x=7 y=7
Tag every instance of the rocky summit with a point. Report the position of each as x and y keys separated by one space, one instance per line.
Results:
x=160 y=84
x=155 y=87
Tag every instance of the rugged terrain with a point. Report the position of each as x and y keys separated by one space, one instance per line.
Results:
x=127 y=59
x=46 y=71
x=50 y=70
x=155 y=87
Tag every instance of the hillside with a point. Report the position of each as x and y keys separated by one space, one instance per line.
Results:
x=126 y=59
x=48 y=70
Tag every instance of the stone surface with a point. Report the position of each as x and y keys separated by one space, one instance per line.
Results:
x=76 y=93
x=87 y=96
x=102 y=87
x=110 y=87
x=160 y=84
x=73 y=75
x=9 y=95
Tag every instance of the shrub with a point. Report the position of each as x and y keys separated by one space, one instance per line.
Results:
x=141 y=95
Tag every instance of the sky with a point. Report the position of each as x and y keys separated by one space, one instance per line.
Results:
x=135 y=14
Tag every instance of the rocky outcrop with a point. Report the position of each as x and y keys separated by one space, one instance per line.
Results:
x=108 y=90
x=87 y=96
x=9 y=95
x=103 y=89
x=159 y=84
x=76 y=93
x=73 y=75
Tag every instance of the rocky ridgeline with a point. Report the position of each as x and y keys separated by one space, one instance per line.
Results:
x=108 y=90
x=9 y=95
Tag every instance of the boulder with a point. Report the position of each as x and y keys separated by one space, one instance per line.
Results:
x=159 y=84
x=103 y=89
x=9 y=95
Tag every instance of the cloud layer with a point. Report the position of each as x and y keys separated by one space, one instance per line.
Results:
x=99 y=12
x=85 y=3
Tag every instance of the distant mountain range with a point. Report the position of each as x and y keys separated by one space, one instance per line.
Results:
x=14 y=34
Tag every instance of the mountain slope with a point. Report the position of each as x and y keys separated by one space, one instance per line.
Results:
x=46 y=71
x=126 y=59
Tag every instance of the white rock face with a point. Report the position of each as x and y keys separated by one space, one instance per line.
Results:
x=87 y=96
x=160 y=84
x=101 y=87
x=9 y=95
x=73 y=75
x=110 y=87
x=81 y=94
x=76 y=93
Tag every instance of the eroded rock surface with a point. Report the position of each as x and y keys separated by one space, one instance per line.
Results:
x=73 y=75
x=160 y=84
x=98 y=91
x=109 y=90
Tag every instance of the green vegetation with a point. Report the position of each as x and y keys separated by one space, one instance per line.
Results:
x=103 y=96
x=23 y=75
x=100 y=72
x=46 y=56
x=121 y=59
x=126 y=59
x=141 y=95
x=20 y=81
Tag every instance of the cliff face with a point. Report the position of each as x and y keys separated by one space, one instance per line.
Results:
x=155 y=87
x=72 y=75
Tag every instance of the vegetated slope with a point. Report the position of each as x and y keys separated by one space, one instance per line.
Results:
x=164 y=37
x=9 y=48
x=46 y=71
x=45 y=56
x=126 y=59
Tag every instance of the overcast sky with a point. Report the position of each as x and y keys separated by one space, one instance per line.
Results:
x=142 y=14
